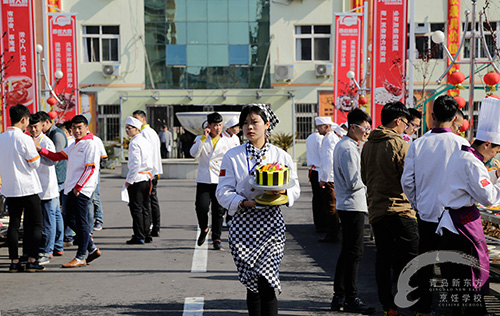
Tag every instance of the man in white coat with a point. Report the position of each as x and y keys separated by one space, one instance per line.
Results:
x=138 y=182
x=326 y=178
x=313 y=150
x=426 y=160
x=232 y=130
x=154 y=140
x=210 y=148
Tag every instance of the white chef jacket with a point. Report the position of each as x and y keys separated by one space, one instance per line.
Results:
x=18 y=163
x=47 y=171
x=102 y=150
x=153 y=138
x=234 y=182
x=210 y=158
x=326 y=163
x=140 y=160
x=313 y=148
x=425 y=164
x=234 y=138
x=466 y=182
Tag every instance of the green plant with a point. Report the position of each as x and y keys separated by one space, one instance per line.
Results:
x=282 y=140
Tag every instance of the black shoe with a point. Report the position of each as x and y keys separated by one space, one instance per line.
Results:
x=218 y=245
x=148 y=240
x=34 y=267
x=135 y=241
x=155 y=233
x=357 y=306
x=329 y=239
x=203 y=236
x=15 y=267
x=337 y=303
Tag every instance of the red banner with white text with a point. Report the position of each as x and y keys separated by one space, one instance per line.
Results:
x=63 y=57
x=18 y=61
x=389 y=36
x=347 y=56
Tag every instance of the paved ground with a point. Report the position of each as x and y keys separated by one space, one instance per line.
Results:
x=156 y=279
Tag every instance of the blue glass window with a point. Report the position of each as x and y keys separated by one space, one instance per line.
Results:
x=218 y=56
x=239 y=33
x=197 y=55
x=196 y=10
x=176 y=55
x=217 y=11
x=238 y=10
x=217 y=33
x=239 y=55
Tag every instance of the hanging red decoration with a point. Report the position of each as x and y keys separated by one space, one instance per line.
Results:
x=493 y=96
x=52 y=114
x=456 y=78
x=491 y=78
x=363 y=100
x=461 y=101
x=51 y=101
x=465 y=126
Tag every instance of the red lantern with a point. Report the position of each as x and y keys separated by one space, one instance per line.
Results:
x=491 y=78
x=494 y=96
x=465 y=126
x=51 y=101
x=461 y=101
x=456 y=78
x=52 y=114
x=363 y=100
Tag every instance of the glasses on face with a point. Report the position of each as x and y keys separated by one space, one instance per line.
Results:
x=414 y=126
x=365 y=129
x=128 y=128
x=458 y=126
x=407 y=125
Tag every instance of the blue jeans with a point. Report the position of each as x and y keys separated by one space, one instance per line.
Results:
x=96 y=201
x=68 y=232
x=78 y=221
x=49 y=210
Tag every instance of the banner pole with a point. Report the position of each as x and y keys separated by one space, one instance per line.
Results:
x=411 y=57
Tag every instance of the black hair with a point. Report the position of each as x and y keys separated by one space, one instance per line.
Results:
x=61 y=126
x=445 y=108
x=252 y=109
x=77 y=119
x=17 y=112
x=141 y=113
x=68 y=125
x=477 y=143
x=392 y=111
x=358 y=116
x=36 y=118
x=414 y=114
x=44 y=116
x=214 y=118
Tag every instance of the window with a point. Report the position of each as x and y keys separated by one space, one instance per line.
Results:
x=312 y=42
x=109 y=122
x=176 y=54
x=305 y=114
x=490 y=32
x=101 y=43
x=426 y=48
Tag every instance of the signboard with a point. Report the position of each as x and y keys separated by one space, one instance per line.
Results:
x=63 y=57
x=18 y=61
x=389 y=35
x=347 y=56
x=453 y=31
x=327 y=107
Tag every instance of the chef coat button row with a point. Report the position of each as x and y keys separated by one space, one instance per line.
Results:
x=263 y=157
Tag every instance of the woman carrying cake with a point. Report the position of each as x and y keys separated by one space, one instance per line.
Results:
x=257 y=235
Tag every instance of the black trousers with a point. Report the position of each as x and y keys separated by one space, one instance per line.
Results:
x=155 y=206
x=32 y=225
x=205 y=194
x=330 y=211
x=140 y=208
x=396 y=239
x=319 y=214
x=263 y=303
x=346 y=272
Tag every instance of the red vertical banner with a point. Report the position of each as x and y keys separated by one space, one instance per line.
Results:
x=18 y=58
x=389 y=36
x=63 y=57
x=347 y=56
x=453 y=31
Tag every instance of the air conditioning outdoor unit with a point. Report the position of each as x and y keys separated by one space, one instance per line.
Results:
x=283 y=72
x=111 y=70
x=422 y=28
x=323 y=70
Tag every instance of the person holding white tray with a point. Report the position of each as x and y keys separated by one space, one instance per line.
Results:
x=257 y=233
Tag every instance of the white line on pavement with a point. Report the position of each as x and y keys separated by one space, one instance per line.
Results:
x=200 y=257
x=193 y=306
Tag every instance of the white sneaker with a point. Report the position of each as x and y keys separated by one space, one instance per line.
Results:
x=44 y=259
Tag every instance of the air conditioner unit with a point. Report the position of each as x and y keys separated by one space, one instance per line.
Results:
x=283 y=72
x=422 y=28
x=111 y=70
x=323 y=70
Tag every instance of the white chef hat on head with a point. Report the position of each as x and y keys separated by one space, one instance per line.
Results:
x=488 y=128
x=132 y=121
x=232 y=122
x=321 y=120
x=340 y=130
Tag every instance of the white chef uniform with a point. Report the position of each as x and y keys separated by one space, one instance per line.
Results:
x=140 y=160
x=154 y=140
x=313 y=150
x=210 y=157
x=327 y=148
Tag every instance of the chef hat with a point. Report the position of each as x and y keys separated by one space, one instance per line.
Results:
x=232 y=122
x=132 y=121
x=322 y=120
x=272 y=118
x=340 y=129
x=488 y=128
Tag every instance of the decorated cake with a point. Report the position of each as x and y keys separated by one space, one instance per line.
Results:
x=272 y=174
